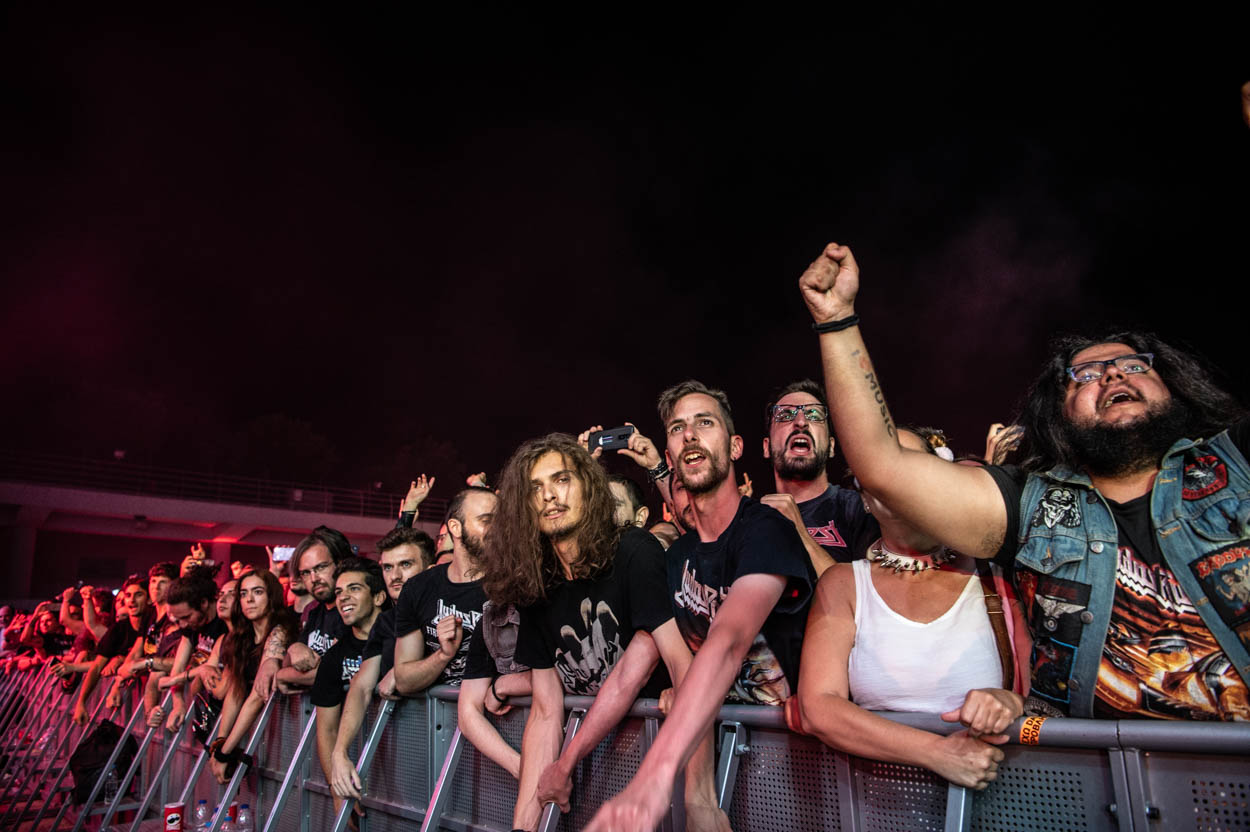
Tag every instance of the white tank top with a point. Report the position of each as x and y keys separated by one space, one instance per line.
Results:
x=897 y=664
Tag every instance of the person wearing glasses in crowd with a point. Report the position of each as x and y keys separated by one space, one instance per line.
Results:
x=831 y=520
x=1128 y=521
x=314 y=560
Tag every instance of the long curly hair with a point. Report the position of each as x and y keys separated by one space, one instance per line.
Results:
x=240 y=645
x=519 y=564
x=1046 y=444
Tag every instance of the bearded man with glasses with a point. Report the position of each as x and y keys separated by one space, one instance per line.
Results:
x=1128 y=522
x=830 y=519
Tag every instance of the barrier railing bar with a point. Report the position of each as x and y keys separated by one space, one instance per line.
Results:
x=28 y=760
x=734 y=738
x=101 y=699
x=135 y=764
x=442 y=787
x=40 y=776
x=292 y=772
x=363 y=764
x=158 y=776
x=31 y=716
x=135 y=716
x=15 y=693
x=551 y=812
x=232 y=788
x=201 y=760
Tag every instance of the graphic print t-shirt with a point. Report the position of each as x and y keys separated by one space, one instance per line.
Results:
x=119 y=638
x=584 y=626
x=428 y=598
x=1159 y=660
x=203 y=639
x=335 y=672
x=322 y=626
x=837 y=521
x=758 y=541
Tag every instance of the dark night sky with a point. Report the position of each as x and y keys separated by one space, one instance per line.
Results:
x=352 y=249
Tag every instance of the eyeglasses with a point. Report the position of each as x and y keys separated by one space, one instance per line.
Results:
x=319 y=569
x=1087 y=371
x=788 y=412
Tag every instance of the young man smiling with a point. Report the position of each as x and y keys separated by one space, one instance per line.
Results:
x=359 y=593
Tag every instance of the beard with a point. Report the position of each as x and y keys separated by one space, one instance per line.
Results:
x=713 y=474
x=472 y=544
x=803 y=468
x=1110 y=450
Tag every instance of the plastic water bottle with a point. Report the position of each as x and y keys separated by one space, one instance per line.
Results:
x=111 y=784
x=212 y=820
x=199 y=819
x=227 y=825
x=244 y=821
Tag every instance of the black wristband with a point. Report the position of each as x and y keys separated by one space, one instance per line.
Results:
x=493 y=692
x=838 y=325
x=659 y=472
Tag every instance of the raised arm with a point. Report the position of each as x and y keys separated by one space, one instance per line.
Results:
x=825 y=709
x=959 y=505
x=415 y=671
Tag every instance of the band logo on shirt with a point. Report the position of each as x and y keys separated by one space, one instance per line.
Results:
x=319 y=642
x=469 y=619
x=827 y=535
x=695 y=596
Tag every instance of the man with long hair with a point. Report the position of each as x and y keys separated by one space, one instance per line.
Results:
x=741 y=583
x=595 y=615
x=1126 y=524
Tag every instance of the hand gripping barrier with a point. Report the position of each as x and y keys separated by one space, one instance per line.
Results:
x=1132 y=776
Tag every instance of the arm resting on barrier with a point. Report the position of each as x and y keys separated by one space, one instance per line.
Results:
x=327 y=734
x=415 y=671
x=88 y=685
x=958 y=505
x=477 y=729
x=341 y=774
x=540 y=744
x=825 y=709
x=645 y=800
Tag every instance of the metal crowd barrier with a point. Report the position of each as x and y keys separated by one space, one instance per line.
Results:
x=1130 y=776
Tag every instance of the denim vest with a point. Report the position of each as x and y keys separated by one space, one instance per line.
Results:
x=1200 y=510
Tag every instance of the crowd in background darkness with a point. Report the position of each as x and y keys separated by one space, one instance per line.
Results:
x=1106 y=575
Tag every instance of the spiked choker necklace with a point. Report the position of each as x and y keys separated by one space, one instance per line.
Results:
x=879 y=554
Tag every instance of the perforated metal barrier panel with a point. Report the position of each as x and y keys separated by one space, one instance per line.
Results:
x=784 y=783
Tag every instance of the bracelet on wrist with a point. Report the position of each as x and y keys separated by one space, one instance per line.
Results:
x=659 y=472
x=495 y=693
x=838 y=325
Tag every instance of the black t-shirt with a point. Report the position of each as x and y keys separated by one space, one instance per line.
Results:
x=584 y=626
x=431 y=596
x=382 y=641
x=700 y=575
x=1155 y=635
x=55 y=644
x=119 y=638
x=203 y=639
x=335 y=672
x=837 y=521
x=322 y=626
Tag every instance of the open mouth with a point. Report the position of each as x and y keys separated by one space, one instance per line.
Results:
x=1119 y=397
x=800 y=444
x=692 y=457
x=347 y=610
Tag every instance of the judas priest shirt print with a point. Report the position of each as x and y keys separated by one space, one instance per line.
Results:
x=700 y=575
x=430 y=597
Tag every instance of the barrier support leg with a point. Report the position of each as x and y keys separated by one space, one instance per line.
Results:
x=39 y=777
x=958 y=809
x=306 y=740
x=442 y=788
x=124 y=786
x=56 y=784
x=135 y=716
x=232 y=788
x=733 y=744
x=158 y=777
x=551 y=812
x=363 y=764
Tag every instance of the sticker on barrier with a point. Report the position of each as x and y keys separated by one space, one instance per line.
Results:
x=1031 y=730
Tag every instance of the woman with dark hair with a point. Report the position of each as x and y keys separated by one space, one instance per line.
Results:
x=911 y=628
x=261 y=625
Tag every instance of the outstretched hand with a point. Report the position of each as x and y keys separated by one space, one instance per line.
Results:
x=417 y=492
x=830 y=284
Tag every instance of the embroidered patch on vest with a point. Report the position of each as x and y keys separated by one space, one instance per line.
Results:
x=1053 y=607
x=1204 y=475
x=1058 y=507
x=1225 y=578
